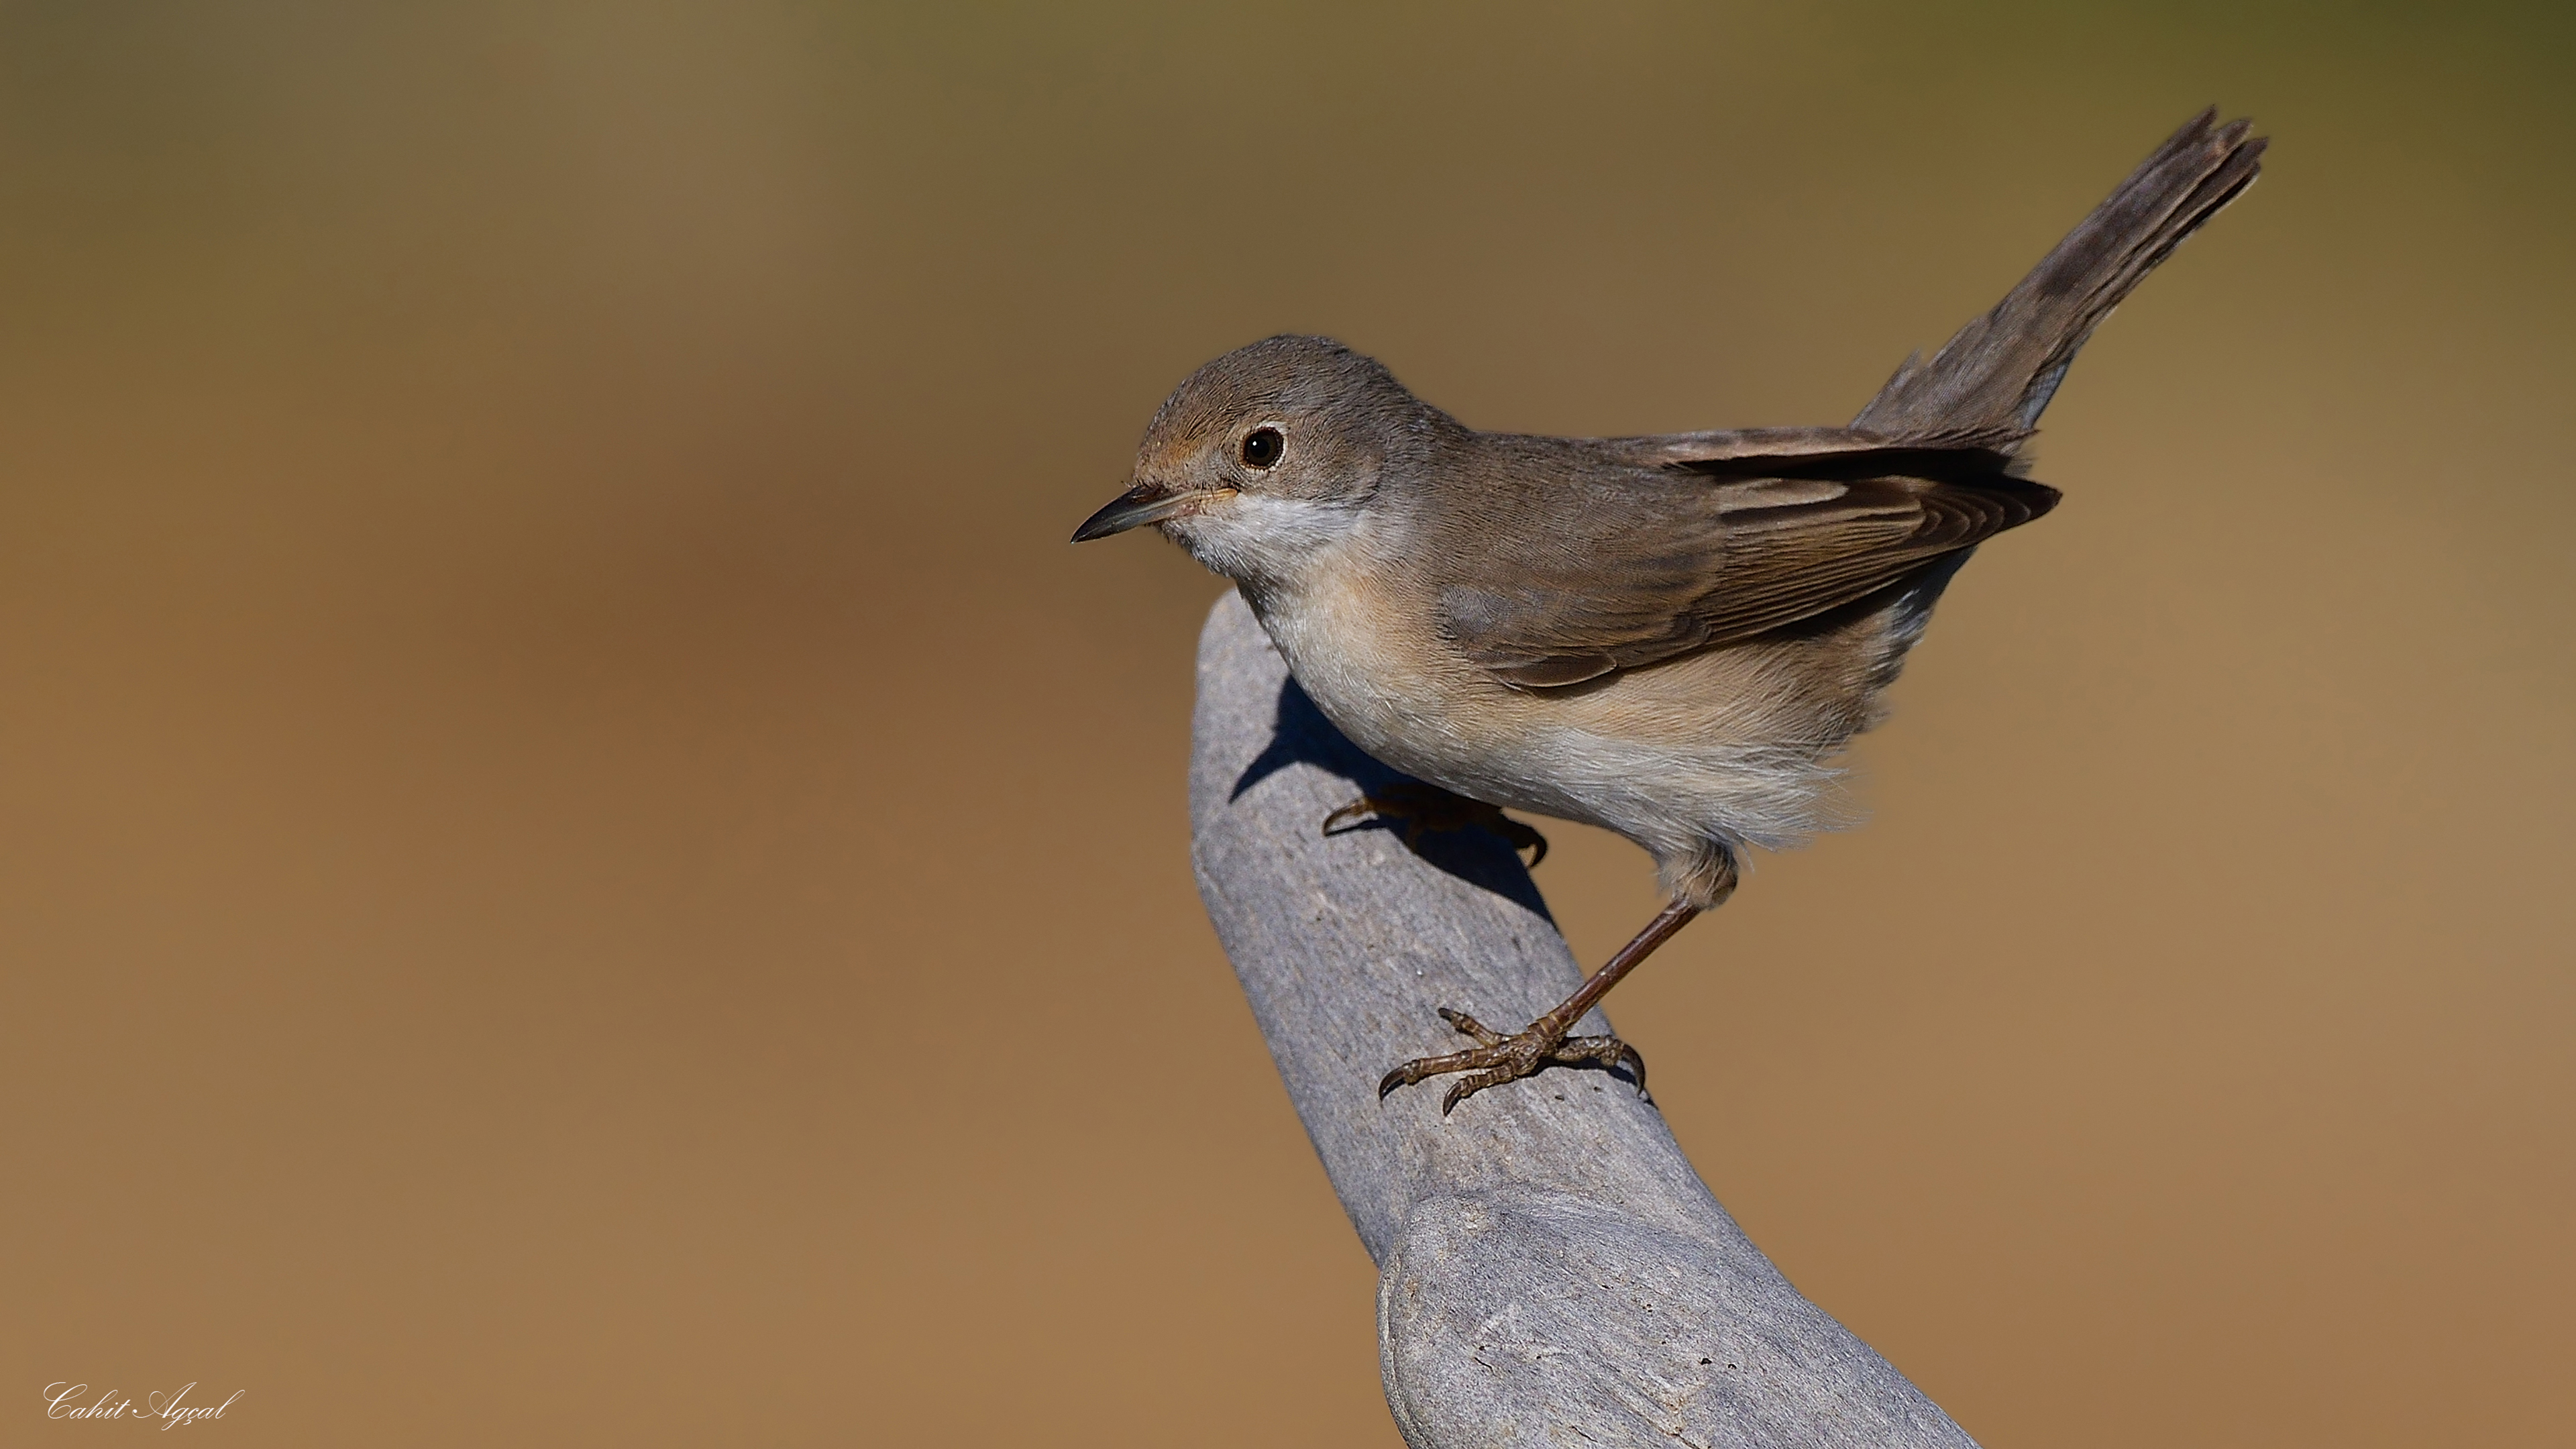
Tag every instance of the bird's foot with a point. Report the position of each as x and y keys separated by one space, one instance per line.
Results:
x=1496 y=1058
x=1428 y=807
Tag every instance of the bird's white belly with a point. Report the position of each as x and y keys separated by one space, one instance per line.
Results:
x=1388 y=698
x=1577 y=756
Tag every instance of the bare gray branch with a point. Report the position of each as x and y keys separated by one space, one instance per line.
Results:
x=1551 y=1270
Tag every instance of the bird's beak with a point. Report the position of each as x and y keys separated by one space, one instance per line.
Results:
x=1144 y=504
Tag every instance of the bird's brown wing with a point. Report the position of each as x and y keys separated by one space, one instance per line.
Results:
x=1655 y=547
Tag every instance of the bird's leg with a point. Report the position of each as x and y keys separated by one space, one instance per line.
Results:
x=1428 y=807
x=1497 y=1058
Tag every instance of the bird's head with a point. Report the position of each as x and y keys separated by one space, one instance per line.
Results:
x=1265 y=460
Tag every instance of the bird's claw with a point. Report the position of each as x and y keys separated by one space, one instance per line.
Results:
x=1496 y=1058
x=1425 y=808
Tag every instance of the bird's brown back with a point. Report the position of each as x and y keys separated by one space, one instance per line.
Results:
x=1553 y=561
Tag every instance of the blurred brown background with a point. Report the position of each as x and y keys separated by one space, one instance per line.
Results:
x=583 y=863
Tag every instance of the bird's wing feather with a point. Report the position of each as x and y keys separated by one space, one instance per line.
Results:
x=1649 y=548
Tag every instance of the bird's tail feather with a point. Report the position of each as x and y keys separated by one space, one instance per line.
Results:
x=2000 y=370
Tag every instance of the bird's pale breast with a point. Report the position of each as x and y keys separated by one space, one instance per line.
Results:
x=1726 y=745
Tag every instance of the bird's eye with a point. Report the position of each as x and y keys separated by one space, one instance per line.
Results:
x=1261 y=447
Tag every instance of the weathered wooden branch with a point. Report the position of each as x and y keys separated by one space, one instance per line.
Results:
x=1551 y=1270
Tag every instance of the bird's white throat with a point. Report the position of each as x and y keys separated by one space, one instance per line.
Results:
x=1266 y=542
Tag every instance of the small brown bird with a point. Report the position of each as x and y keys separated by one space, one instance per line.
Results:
x=1668 y=636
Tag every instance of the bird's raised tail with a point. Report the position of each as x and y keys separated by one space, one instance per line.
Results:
x=2000 y=370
